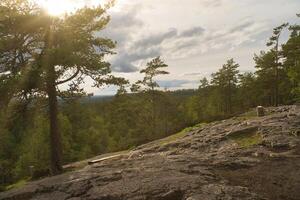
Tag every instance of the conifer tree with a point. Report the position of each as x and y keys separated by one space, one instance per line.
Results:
x=148 y=85
x=291 y=53
x=41 y=52
x=274 y=43
x=225 y=80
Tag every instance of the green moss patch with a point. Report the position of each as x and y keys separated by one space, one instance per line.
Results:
x=247 y=115
x=18 y=184
x=246 y=140
x=174 y=137
x=180 y=134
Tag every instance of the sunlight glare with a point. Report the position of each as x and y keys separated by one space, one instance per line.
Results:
x=60 y=7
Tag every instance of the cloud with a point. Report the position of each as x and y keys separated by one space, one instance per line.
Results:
x=136 y=44
x=241 y=34
x=123 y=65
x=193 y=36
x=152 y=45
x=212 y=3
x=171 y=39
x=122 y=29
x=156 y=39
x=176 y=44
x=122 y=24
x=194 y=31
x=124 y=62
x=193 y=74
x=242 y=26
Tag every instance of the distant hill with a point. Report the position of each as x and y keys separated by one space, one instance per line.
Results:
x=103 y=98
x=97 y=98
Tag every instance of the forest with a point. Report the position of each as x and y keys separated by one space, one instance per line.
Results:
x=44 y=127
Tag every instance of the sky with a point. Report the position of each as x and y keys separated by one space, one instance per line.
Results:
x=194 y=37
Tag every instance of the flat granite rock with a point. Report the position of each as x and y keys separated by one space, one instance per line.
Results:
x=215 y=162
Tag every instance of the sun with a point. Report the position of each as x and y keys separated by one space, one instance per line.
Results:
x=60 y=7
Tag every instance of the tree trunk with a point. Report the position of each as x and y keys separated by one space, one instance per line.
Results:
x=276 y=73
x=55 y=138
x=153 y=114
x=153 y=110
x=276 y=85
x=229 y=109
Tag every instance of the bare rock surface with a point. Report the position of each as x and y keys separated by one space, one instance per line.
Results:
x=240 y=158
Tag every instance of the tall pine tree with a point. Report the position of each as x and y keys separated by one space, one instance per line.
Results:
x=41 y=52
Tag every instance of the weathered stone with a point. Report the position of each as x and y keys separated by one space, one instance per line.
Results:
x=207 y=163
x=240 y=131
x=260 y=111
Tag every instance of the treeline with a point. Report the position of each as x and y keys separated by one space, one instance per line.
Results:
x=130 y=118
x=88 y=129
x=276 y=81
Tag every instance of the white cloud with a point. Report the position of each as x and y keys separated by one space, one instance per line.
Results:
x=193 y=37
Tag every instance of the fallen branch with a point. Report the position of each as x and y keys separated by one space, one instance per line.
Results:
x=102 y=159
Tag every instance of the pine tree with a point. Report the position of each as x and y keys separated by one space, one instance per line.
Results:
x=225 y=80
x=42 y=52
x=274 y=43
x=291 y=53
x=148 y=85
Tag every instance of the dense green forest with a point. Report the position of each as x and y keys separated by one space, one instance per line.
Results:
x=138 y=113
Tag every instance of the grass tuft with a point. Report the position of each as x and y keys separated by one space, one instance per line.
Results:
x=180 y=134
x=246 y=140
x=18 y=184
x=174 y=137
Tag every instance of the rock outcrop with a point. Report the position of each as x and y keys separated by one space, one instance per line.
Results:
x=242 y=158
